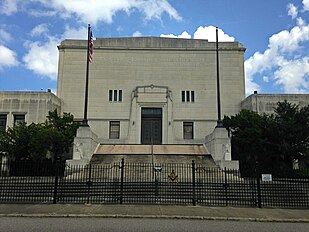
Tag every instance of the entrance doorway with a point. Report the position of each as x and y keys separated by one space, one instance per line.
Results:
x=151 y=126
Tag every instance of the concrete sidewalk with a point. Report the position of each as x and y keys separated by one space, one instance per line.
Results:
x=154 y=211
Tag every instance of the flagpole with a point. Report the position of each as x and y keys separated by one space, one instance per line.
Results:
x=85 y=120
x=219 y=122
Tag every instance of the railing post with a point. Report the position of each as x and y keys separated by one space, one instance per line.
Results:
x=55 y=189
x=156 y=182
x=89 y=183
x=57 y=163
x=258 y=184
x=193 y=184
x=225 y=187
x=121 y=180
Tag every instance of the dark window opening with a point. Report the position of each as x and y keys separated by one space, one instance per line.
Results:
x=110 y=95
x=192 y=96
x=114 y=129
x=3 y=121
x=120 y=95
x=188 y=130
x=19 y=118
x=115 y=95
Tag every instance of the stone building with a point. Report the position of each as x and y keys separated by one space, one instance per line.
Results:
x=25 y=106
x=148 y=96
x=266 y=103
x=151 y=90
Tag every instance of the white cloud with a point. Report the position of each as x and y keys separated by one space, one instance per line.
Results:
x=294 y=75
x=265 y=78
x=42 y=58
x=4 y=36
x=93 y=11
x=73 y=33
x=8 y=7
x=306 y=5
x=7 y=57
x=292 y=10
x=153 y=9
x=183 y=35
x=284 y=59
x=209 y=33
x=40 y=13
x=137 y=34
x=288 y=41
x=300 y=22
x=39 y=30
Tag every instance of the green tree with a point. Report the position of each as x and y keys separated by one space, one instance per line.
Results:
x=270 y=143
x=248 y=138
x=61 y=132
x=15 y=142
x=291 y=132
x=33 y=142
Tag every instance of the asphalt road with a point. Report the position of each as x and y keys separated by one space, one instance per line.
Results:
x=25 y=224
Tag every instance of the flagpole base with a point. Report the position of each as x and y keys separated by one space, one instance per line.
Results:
x=85 y=123
x=219 y=124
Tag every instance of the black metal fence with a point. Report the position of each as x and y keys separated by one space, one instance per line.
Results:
x=127 y=183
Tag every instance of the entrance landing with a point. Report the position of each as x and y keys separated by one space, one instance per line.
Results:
x=169 y=153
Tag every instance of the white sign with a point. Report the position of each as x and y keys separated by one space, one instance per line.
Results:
x=267 y=177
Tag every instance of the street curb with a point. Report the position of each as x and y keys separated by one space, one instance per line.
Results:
x=284 y=220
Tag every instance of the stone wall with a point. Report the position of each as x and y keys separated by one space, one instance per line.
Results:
x=34 y=105
x=266 y=103
x=151 y=72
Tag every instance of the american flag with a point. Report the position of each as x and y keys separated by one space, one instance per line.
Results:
x=90 y=47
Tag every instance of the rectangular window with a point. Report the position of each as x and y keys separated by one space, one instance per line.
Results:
x=187 y=96
x=2 y=121
x=114 y=129
x=120 y=95
x=183 y=96
x=115 y=95
x=110 y=95
x=19 y=118
x=192 y=96
x=188 y=130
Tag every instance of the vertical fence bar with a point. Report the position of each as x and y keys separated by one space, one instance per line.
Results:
x=156 y=182
x=89 y=183
x=121 y=180
x=258 y=185
x=225 y=187
x=193 y=184
x=56 y=181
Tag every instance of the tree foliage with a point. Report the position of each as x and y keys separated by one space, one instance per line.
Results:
x=34 y=142
x=270 y=143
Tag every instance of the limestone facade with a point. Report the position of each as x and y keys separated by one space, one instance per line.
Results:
x=266 y=103
x=31 y=107
x=175 y=77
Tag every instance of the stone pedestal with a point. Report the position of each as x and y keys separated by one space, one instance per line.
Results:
x=84 y=146
x=218 y=144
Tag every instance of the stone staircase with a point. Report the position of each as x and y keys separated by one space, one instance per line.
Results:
x=181 y=154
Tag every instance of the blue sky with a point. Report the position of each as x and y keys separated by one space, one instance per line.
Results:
x=275 y=33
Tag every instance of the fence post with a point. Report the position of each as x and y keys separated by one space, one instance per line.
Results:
x=121 y=180
x=89 y=183
x=225 y=187
x=258 y=185
x=193 y=184
x=57 y=163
